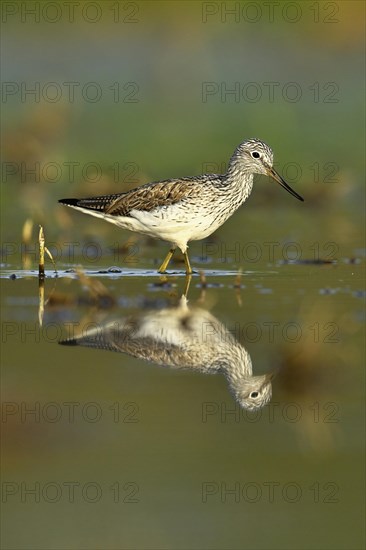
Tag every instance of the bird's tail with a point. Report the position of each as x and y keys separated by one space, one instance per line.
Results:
x=99 y=204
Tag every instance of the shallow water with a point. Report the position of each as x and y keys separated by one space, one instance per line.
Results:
x=108 y=437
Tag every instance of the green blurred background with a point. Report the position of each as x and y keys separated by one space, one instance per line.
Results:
x=172 y=66
x=299 y=87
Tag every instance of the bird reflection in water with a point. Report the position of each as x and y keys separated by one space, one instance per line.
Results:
x=184 y=337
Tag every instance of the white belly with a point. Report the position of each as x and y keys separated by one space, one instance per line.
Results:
x=177 y=226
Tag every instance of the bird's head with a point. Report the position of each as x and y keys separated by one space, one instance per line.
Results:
x=254 y=156
x=254 y=392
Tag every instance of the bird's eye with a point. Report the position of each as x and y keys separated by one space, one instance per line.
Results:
x=255 y=155
x=254 y=394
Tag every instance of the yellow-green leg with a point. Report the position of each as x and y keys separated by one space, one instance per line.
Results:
x=164 y=265
x=186 y=285
x=188 y=265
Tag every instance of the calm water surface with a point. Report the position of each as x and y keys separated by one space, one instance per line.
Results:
x=101 y=442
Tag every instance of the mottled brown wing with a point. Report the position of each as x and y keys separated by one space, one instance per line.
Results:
x=125 y=339
x=151 y=196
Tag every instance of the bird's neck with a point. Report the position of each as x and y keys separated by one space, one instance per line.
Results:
x=236 y=365
x=238 y=178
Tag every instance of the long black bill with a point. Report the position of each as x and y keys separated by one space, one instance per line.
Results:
x=273 y=174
